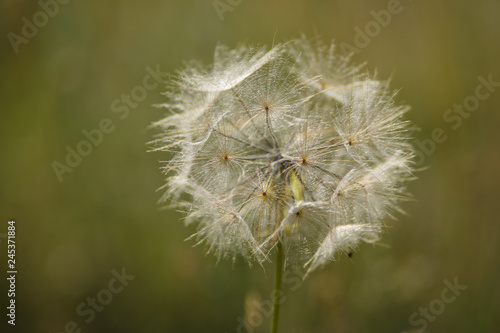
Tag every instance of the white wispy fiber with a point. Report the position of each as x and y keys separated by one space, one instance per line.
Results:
x=292 y=145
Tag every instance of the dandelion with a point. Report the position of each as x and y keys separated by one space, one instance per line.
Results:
x=292 y=150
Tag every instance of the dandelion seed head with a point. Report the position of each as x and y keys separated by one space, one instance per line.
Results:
x=293 y=145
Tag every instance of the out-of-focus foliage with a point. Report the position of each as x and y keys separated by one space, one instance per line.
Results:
x=78 y=69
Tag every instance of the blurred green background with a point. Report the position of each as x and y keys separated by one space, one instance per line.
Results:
x=104 y=216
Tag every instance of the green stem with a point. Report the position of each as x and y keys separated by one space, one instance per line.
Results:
x=277 y=286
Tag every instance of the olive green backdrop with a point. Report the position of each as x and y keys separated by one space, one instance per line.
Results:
x=74 y=236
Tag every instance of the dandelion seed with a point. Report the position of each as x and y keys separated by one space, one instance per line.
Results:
x=291 y=148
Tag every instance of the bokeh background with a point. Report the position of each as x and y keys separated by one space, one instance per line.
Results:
x=104 y=215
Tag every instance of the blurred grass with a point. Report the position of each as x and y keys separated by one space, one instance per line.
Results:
x=104 y=215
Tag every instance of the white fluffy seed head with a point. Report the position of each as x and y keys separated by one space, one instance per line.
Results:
x=292 y=145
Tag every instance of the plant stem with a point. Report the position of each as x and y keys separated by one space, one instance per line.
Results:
x=277 y=286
